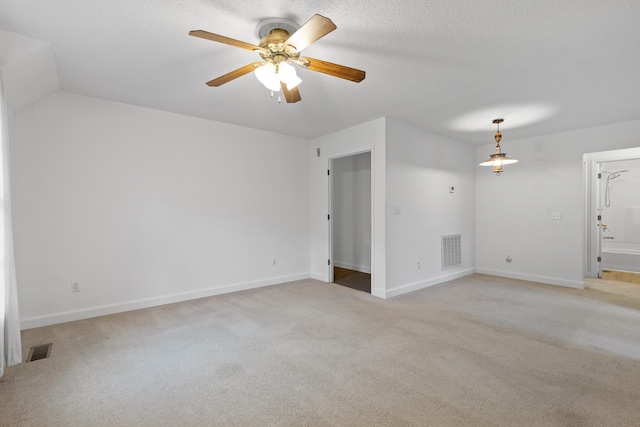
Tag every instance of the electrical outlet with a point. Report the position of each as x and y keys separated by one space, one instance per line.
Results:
x=274 y=261
x=556 y=216
x=418 y=265
x=75 y=287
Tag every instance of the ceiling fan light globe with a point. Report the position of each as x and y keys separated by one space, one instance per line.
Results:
x=293 y=82
x=273 y=86
x=266 y=74
x=288 y=76
x=285 y=71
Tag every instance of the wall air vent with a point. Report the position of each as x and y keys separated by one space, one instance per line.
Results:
x=451 y=251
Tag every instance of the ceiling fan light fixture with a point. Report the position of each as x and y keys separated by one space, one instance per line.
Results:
x=498 y=159
x=293 y=82
x=270 y=75
x=266 y=74
x=288 y=76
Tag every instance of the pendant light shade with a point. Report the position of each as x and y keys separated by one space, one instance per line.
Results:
x=498 y=159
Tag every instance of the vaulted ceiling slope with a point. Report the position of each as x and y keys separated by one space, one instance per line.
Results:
x=450 y=67
x=28 y=69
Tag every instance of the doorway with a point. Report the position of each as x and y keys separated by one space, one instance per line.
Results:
x=350 y=221
x=613 y=209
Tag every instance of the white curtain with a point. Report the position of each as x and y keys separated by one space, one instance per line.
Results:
x=10 y=345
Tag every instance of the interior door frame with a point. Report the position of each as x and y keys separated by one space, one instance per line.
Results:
x=592 y=163
x=331 y=210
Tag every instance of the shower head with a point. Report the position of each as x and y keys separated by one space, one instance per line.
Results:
x=611 y=177
x=614 y=175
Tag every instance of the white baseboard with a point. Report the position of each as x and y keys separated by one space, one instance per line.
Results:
x=426 y=283
x=532 y=278
x=360 y=268
x=379 y=294
x=69 y=316
x=321 y=277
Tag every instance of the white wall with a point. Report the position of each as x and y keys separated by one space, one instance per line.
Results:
x=365 y=137
x=143 y=207
x=420 y=168
x=514 y=211
x=351 y=212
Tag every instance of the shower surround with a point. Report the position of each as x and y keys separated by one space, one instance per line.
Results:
x=621 y=235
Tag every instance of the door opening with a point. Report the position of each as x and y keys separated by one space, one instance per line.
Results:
x=613 y=203
x=350 y=221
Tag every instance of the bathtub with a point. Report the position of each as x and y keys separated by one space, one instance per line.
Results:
x=620 y=256
x=621 y=239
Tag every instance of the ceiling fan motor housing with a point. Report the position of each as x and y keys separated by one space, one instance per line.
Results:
x=275 y=48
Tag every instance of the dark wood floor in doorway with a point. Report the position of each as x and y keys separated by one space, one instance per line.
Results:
x=352 y=279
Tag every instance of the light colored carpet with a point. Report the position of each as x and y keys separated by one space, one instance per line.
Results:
x=478 y=351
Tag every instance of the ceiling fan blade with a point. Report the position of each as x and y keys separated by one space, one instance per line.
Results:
x=233 y=75
x=291 y=95
x=222 y=39
x=315 y=28
x=333 y=69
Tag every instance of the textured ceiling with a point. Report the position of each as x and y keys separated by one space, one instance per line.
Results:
x=450 y=67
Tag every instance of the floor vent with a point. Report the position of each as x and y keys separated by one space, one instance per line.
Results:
x=451 y=251
x=39 y=352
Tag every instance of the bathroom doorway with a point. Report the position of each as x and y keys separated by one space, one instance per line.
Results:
x=613 y=215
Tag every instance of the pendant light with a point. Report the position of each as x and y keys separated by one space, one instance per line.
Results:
x=498 y=159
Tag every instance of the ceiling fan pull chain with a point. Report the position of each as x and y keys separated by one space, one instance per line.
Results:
x=279 y=100
x=272 y=94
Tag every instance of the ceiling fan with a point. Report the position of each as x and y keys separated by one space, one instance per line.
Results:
x=280 y=45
